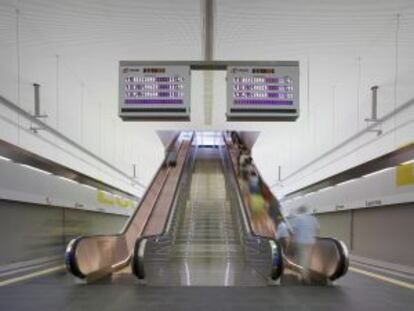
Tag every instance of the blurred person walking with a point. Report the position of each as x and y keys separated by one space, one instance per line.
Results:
x=305 y=228
x=282 y=235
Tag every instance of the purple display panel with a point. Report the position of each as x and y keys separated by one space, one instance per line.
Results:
x=154 y=90
x=263 y=92
x=269 y=102
x=260 y=90
x=153 y=101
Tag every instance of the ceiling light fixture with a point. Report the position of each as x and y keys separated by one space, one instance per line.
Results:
x=408 y=162
x=346 y=182
x=326 y=188
x=5 y=159
x=377 y=172
x=68 y=180
x=89 y=187
x=36 y=169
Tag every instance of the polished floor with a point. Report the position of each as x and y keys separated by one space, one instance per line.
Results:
x=59 y=292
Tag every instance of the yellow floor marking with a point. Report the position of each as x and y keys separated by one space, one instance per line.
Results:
x=383 y=278
x=31 y=275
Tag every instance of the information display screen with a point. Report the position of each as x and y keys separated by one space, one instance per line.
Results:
x=263 y=92
x=154 y=91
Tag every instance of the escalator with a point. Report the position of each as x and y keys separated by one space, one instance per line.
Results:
x=90 y=258
x=210 y=243
x=193 y=227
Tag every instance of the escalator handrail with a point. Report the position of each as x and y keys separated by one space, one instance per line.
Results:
x=137 y=261
x=343 y=264
x=173 y=208
x=70 y=253
x=276 y=255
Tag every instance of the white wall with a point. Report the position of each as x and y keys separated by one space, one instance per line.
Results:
x=22 y=184
x=390 y=187
x=343 y=47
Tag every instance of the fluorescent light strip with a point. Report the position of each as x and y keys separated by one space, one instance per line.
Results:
x=5 y=159
x=346 y=182
x=89 y=187
x=36 y=169
x=408 y=162
x=68 y=180
x=326 y=188
x=377 y=172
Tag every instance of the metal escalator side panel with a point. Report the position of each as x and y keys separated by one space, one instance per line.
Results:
x=263 y=252
x=137 y=262
x=276 y=259
x=160 y=214
x=148 y=246
x=102 y=254
x=343 y=263
x=329 y=259
x=70 y=259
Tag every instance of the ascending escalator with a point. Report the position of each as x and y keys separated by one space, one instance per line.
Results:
x=193 y=228
x=207 y=248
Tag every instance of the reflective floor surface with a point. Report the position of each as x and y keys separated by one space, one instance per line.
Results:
x=59 y=292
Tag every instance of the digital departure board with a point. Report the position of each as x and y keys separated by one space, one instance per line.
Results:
x=154 y=92
x=263 y=93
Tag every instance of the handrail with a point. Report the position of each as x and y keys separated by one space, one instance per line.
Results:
x=168 y=172
x=343 y=262
x=115 y=239
x=71 y=262
x=137 y=262
x=161 y=166
x=275 y=249
x=254 y=244
x=239 y=191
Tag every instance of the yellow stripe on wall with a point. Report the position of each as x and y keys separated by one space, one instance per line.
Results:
x=404 y=175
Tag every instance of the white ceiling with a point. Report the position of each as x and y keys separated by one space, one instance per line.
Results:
x=344 y=47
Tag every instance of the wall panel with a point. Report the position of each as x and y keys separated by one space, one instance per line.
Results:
x=29 y=231
x=385 y=233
